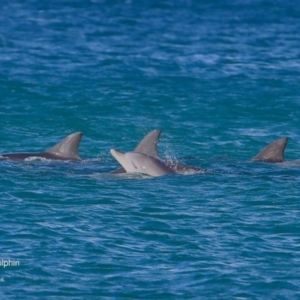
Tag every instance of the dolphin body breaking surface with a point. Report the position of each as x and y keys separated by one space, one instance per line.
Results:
x=148 y=147
x=184 y=169
x=136 y=162
x=273 y=153
x=66 y=149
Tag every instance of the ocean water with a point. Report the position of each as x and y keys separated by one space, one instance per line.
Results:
x=220 y=79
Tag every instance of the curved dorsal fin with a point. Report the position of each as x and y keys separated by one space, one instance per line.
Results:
x=148 y=145
x=68 y=147
x=273 y=153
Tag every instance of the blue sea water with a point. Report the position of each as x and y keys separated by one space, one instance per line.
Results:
x=220 y=79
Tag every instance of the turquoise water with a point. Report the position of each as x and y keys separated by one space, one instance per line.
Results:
x=221 y=81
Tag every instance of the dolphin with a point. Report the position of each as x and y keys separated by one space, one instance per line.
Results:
x=136 y=162
x=273 y=153
x=66 y=149
x=148 y=145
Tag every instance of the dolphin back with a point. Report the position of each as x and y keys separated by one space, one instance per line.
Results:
x=147 y=164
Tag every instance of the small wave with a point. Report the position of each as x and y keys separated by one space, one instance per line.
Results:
x=33 y=158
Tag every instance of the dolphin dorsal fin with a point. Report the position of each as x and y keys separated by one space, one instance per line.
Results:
x=68 y=147
x=273 y=153
x=148 y=145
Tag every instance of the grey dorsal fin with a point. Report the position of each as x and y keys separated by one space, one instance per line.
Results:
x=148 y=145
x=273 y=153
x=68 y=147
